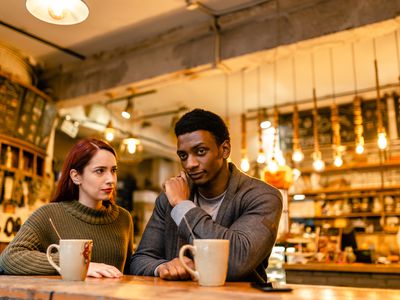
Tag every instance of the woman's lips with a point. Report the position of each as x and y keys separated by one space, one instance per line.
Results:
x=108 y=191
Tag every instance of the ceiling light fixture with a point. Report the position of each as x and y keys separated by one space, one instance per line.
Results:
x=131 y=144
x=126 y=113
x=318 y=163
x=60 y=12
x=297 y=155
x=335 y=120
x=382 y=138
x=109 y=132
x=358 y=118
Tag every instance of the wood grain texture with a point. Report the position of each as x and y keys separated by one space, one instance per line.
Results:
x=140 y=287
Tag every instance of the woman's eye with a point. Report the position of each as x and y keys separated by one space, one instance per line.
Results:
x=114 y=171
x=99 y=171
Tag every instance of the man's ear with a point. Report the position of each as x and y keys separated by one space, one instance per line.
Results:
x=75 y=177
x=226 y=149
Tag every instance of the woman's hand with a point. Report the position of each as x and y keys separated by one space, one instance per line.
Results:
x=99 y=270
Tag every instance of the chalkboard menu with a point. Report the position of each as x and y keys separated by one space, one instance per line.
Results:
x=25 y=113
x=346 y=119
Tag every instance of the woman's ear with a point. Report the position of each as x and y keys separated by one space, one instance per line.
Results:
x=75 y=177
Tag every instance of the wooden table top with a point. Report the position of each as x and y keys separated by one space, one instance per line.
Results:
x=141 y=287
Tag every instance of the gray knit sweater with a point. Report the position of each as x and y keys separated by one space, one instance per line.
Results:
x=110 y=228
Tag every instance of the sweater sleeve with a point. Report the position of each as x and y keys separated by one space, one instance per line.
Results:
x=130 y=247
x=151 y=249
x=24 y=255
x=251 y=236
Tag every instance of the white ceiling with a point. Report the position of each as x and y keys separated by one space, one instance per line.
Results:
x=111 y=24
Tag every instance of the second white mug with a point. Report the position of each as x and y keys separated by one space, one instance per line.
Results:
x=210 y=260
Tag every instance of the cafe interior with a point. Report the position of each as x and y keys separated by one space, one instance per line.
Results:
x=309 y=90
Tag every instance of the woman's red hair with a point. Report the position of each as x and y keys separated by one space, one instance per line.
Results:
x=77 y=158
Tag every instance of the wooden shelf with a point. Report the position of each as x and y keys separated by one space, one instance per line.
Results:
x=353 y=215
x=338 y=190
x=354 y=167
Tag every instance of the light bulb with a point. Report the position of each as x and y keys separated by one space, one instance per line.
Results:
x=109 y=135
x=131 y=148
x=272 y=166
x=382 y=140
x=297 y=155
x=126 y=115
x=57 y=9
x=338 y=161
x=61 y=12
x=296 y=174
x=131 y=144
x=244 y=164
x=359 y=149
x=265 y=124
x=318 y=164
x=261 y=159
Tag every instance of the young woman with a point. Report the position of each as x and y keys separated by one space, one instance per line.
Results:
x=83 y=208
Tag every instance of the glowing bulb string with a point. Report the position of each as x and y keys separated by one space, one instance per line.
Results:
x=358 y=118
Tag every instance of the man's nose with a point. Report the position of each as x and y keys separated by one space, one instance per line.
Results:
x=191 y=162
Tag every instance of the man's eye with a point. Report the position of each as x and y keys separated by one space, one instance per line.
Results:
x=182 y=156
x=201 y=151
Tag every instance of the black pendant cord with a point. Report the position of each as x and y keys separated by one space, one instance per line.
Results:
x=42 y=40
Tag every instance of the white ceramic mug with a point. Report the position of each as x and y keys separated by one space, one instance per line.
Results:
x=210 y=260
x=75 y=257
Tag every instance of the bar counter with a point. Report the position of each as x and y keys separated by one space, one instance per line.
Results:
x=146 y=288
x=355 y=274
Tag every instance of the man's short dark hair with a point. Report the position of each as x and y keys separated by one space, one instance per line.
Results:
x=200 y=119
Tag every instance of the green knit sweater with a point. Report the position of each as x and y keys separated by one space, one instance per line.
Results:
x=110 y=228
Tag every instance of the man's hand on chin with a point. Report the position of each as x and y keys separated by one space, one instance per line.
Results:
x=173 y=270
x=177 y=189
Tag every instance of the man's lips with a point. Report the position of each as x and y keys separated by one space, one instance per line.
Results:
x=196 y=175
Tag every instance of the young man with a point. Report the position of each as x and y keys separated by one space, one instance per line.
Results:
x=216 y=200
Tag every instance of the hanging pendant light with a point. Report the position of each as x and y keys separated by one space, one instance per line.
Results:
x=318 y=163
x=244 y=163
x=358 y=118
x=297 y=155
x=126 y=113
x=273 y=164
x=336 y=139
x=60 y=12
x=109 y=132
x=261 y=158
x=358 y=125
x=131 y=144
x=382 y=138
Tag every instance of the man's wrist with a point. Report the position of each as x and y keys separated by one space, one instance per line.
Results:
x=180 y=210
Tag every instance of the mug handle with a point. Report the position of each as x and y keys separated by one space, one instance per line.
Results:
x=50 y=259
x=194 y=273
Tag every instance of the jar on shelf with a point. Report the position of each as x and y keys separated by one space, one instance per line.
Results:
x=350 y=256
